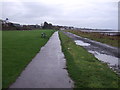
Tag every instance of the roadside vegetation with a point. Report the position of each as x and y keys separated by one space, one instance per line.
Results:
x=84 y=69
x=110 y=40
x=18 y=49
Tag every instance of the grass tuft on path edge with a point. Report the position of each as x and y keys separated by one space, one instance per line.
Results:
x=84 y=69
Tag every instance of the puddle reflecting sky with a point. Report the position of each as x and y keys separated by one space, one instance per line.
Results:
x=81 y=43
x=110 y=60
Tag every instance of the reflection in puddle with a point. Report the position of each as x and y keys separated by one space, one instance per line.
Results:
x=110 y=60
x=81 y=43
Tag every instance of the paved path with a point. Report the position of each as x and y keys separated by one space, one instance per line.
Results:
x=46 y=70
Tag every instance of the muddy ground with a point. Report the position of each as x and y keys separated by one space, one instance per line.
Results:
x=109 y=54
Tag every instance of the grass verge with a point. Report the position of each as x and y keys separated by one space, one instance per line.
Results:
x=19 y=47
x=85 y=70
x=110 y=40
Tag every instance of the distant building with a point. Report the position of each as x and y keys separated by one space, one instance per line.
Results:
x=62 y=28
x=16 y=25
x=2 y=21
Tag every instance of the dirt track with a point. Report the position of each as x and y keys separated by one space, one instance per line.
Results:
x=94 y=45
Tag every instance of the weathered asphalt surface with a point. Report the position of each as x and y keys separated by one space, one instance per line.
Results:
x=46 y=70
x=97 y=46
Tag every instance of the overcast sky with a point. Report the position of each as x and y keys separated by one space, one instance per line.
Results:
x=77 y=13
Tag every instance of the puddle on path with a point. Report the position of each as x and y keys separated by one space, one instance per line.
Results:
x=81 y=43
x=110 y=60
x=106 y=58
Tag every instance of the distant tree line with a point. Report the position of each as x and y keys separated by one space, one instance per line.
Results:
x=6 y=25
x=47 y=26
x=15 y=26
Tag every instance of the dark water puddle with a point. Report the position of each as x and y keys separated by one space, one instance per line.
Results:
x=111 y=61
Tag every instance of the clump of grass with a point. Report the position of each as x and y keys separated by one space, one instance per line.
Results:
x=85 y=70
x=19 y=47
x=110 y=40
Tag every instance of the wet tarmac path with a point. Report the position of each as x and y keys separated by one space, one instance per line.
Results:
x=47 y=69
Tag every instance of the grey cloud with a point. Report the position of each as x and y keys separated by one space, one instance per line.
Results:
x=92 y=14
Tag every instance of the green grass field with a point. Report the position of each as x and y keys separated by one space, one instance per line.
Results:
x=110 y=40
x=85 y=70
x=19 y=47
